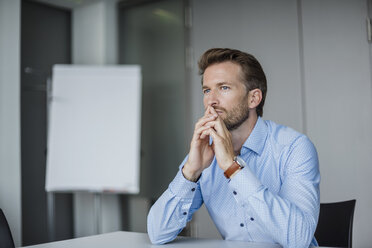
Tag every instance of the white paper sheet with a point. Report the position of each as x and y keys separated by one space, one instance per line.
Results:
x=94 y=129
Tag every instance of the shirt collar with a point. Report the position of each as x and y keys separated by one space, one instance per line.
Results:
x=257 y=138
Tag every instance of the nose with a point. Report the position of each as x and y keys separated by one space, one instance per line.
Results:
x=211 y=99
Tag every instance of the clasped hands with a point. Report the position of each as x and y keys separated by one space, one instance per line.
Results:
x=201 y=152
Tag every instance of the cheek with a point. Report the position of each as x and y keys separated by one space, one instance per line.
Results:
x=205 y=102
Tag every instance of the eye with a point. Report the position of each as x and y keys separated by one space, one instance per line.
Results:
x=206 y=91
x=224 y=87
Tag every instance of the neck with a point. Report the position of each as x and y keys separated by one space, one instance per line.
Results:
x=241 y=134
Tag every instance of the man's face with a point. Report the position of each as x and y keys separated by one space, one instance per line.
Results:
x=224 y=90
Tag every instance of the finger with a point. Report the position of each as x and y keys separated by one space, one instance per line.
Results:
x=212 y=133
x=211 y=124
x=219 y=126
x=223 y=150
x=222 y=124
x=205 y=133
x=207 y=110
x=213 y=111
x=210 y=110
x=198 y=133
x=202 y=121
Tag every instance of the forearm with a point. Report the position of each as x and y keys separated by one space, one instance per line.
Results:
x=165 y=221
x=287 y=223
x=290 y=216
x=169 y=215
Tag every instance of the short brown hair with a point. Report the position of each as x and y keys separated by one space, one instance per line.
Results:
x=253 y=76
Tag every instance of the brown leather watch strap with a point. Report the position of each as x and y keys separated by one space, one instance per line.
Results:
x=232 y=169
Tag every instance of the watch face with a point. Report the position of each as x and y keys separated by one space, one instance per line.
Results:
x=240 y=161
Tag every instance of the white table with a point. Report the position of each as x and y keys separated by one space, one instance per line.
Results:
x=141 y=240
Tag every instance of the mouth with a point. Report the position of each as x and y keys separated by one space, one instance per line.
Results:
x=219 y=112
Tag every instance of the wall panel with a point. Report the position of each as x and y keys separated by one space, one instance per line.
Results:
x=338 y=100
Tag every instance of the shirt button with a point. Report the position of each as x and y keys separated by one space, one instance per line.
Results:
x=234 y=192
x=184 y=213
x=241 y=224
x=193 y=189
x=252 y=219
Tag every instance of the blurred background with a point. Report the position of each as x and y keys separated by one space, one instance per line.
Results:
x=316 y=54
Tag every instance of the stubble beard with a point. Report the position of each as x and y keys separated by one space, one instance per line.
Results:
x=236 y=116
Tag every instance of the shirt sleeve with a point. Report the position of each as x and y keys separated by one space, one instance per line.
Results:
x=291 y=215
x=174 y=208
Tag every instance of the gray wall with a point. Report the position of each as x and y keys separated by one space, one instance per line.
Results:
x=10 y=167
x=317 y=60
x=95 y=33
x=267 y=29
x=339 y=103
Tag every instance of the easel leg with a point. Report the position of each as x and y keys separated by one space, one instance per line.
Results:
x=97 y=213
x=51 y=213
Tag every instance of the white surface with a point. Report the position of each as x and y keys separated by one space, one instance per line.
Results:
x=10 y=151
x=141 y=240
x=94 y=129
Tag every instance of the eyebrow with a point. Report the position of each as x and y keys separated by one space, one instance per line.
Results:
x=218 y=84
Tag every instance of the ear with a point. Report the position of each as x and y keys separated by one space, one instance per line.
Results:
x=254 y=98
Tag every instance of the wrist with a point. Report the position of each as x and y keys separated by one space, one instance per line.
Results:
x=237 y=165
x=227 y=163
x=189 y=174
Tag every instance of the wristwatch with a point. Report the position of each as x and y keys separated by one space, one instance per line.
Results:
x=237 y=164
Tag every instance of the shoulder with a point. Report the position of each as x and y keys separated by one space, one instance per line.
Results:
x=285 y=136
x=295 y=150
x=288 y=142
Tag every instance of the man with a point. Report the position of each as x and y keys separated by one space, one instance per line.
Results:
x=259 y=180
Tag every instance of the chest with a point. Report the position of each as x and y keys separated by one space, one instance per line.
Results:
x=267 y=168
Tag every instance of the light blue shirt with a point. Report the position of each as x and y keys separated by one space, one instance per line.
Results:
x=274 y=199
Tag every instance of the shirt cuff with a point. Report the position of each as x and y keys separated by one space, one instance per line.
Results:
x=245 y=182
x=182 y=187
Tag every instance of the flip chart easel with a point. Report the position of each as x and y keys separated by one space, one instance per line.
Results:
x=94 y=121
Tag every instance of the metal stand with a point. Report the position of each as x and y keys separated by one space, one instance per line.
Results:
x=97 y=213
x=50 y=195
x=51 y=212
